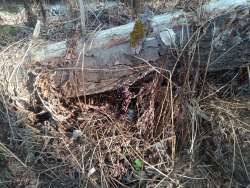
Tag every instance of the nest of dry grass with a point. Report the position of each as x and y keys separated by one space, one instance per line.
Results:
x=155 y=134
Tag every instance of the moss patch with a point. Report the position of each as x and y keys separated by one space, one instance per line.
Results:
x=137 y=34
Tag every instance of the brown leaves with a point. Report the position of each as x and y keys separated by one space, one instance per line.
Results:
x=146 y=108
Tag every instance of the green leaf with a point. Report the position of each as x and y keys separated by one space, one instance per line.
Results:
x=138 y=164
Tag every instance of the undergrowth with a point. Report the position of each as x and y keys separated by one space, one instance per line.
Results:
x=177 y=127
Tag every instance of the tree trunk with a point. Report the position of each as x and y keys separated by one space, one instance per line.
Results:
x=218 y=31
x=83 y=17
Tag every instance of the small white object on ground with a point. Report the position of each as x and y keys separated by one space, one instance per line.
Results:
x=91 y=171
x=76 y=134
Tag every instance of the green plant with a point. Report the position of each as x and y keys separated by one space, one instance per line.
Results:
x=138 y=164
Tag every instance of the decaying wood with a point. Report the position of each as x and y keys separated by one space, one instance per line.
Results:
x=219 y=31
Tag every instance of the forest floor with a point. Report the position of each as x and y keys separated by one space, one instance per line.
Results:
x=192 y=131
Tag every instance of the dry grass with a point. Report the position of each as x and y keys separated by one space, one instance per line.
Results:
x=182 y=129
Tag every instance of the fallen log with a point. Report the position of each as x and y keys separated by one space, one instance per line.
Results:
x=219 y=30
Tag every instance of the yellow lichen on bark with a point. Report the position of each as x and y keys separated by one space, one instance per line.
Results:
x=137 y=34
